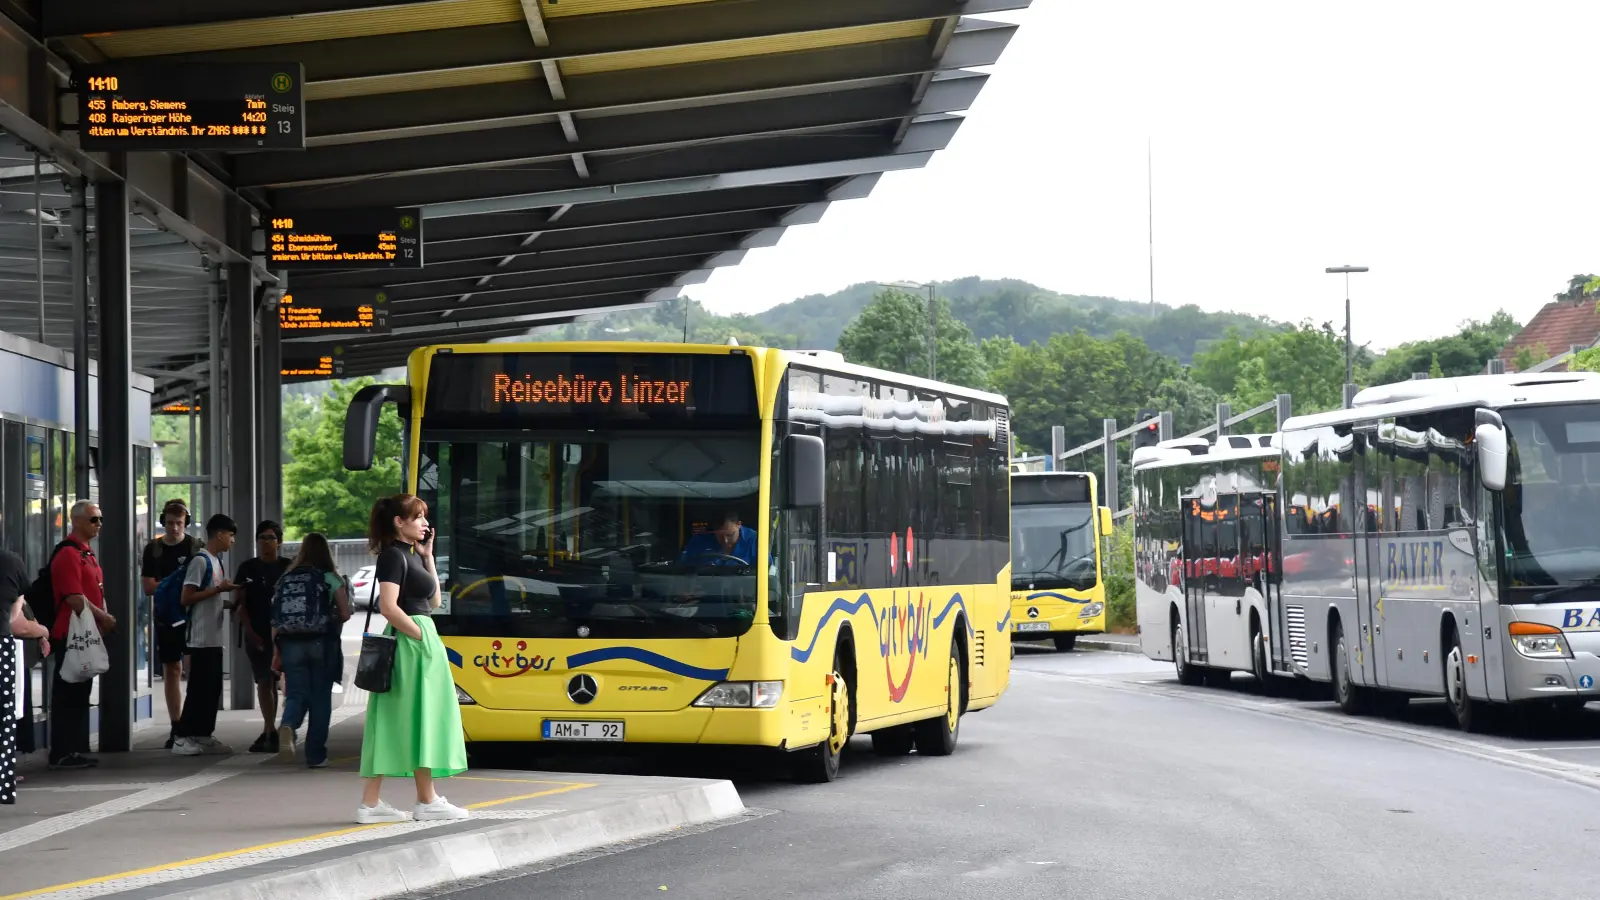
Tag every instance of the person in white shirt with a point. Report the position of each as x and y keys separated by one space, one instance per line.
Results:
x=207 y=595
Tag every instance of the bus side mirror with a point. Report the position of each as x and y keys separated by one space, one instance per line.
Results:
x=1106 y=525
x=1491 y=441
x=361 y=422
x=805 y=471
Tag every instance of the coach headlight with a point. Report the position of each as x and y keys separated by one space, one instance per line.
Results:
x=742 y=695
x=1092 y=610
x=1538 y=641
x=463 y=698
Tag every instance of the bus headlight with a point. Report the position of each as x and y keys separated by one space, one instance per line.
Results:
x=1092 y=610
x=1538 y=641
x=742 y=695
x=463 y=698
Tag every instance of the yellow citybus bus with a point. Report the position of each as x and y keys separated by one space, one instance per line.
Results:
x=684 y=544
x=1058 y=587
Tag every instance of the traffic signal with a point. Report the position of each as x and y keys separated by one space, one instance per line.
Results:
x=1149 y=434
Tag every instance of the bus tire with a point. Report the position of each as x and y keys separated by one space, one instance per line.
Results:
x=1065 y=642
x=937 y=736
x=896 y=741
x=1189 y=675
x=1352 y=698
x=1469 y=713
x=820 y=764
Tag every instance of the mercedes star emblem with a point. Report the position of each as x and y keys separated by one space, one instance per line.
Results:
x=582 y=689
x=1033 y=612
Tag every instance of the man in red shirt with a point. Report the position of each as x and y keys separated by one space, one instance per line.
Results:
x=75 y=575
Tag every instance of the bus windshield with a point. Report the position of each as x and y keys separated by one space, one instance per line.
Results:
x=1052 y=545
x=627 y=534
x=1552 y=496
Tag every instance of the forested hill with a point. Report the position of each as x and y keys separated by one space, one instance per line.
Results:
x=1004 y=308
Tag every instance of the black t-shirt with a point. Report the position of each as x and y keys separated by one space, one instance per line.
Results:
x=399 y=564
x=260 y=578
x=13 y=584
x=162 y=559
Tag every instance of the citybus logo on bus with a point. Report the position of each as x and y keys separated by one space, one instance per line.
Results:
x=904 y=631
x=525 y=390
x=510 y=665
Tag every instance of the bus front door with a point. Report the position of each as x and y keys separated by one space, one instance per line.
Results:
x=1195 y=546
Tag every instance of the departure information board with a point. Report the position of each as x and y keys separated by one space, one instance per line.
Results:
x=326 y=311
x=191 y=106
x=324 y=239
x=313 y=366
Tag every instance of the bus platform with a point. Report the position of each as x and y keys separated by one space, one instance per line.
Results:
x=148 y=824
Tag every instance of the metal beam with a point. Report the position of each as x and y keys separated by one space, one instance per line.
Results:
x=117 y=498
x=547 y=278
x=508 y=301
x=649 y=131
x=706 y=84
x=719 y=162
x=76 y=17
x=370 y=64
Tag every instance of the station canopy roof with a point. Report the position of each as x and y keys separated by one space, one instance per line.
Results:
x=572 y=157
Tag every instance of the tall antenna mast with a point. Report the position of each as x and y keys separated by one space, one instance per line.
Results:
x=1150 y=194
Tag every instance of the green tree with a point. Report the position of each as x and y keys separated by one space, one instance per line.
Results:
x=1434 y=370
x=891 y=333
x=1464 y=353
x=1072 y=380
x=319 y=494
x=1306 y=362
x=1527 y=357
x=1192 y=404
x=1579 y=287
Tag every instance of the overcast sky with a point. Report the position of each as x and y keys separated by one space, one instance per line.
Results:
x=1454 y=148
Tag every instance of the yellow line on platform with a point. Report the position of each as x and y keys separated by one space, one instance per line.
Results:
x=228 y=854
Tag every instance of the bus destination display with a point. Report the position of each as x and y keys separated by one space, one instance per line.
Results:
x=345 y=239
x=191 y=106
x=313 y=367
x=522 y=387
x=312 y=312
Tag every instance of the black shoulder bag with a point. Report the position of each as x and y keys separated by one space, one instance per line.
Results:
x=375 y=667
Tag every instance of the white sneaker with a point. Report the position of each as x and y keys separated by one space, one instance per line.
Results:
x=186 y=747
x=285 y=743
x=381 y=814
x=439 y=809
x=211 y=746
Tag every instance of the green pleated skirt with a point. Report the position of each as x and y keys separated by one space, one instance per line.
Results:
x=417 y=724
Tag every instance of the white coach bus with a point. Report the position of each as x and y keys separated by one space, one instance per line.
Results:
x=1438 y=539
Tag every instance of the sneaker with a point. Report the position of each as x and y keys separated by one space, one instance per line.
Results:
x=212 y=746
x=439 y=809
x=285 y=743
x=381 y=814
x=187 y=747
x=266 y=743
x=71 y=761
x=320 y=764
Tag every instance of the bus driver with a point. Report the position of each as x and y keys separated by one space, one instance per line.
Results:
x=729 y=544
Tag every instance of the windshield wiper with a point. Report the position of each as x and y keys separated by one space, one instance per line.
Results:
x=1565 y=589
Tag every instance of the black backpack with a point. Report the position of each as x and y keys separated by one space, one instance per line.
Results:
x=302 y=604
x=41 y=594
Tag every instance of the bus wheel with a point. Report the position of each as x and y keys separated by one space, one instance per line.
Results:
x=937 y=736
x=1467 y=711
x=1350 y=697
x=820 y=764
x=896 y=741
x=1065 y=642
x=1188 y=675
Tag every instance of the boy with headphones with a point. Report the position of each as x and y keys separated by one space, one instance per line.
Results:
x=163 y=556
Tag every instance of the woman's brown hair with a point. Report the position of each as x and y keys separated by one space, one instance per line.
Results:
x=315 y=552
x=380 y=527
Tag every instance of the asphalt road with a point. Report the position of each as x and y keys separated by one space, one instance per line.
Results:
x=1098 y=776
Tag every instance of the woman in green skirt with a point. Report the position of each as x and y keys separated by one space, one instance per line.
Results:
x=414 y=730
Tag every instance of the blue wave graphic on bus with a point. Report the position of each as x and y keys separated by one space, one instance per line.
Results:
x=654 y=660
x=1052 y=595
x=453 y=656
x=1001 y=625
x=955 y=601
x=848 y=607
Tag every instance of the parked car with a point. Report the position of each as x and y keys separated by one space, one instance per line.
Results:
x=362 y=587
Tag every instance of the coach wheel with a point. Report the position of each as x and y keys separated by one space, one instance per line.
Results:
x=1351 y=698
x=820 y=764
x=938 y=736
x=1188 y=675
x=1467 y=711
x=1065 y=642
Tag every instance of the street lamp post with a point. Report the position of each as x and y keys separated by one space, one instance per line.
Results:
x=933 y=336
x=1346 y=271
